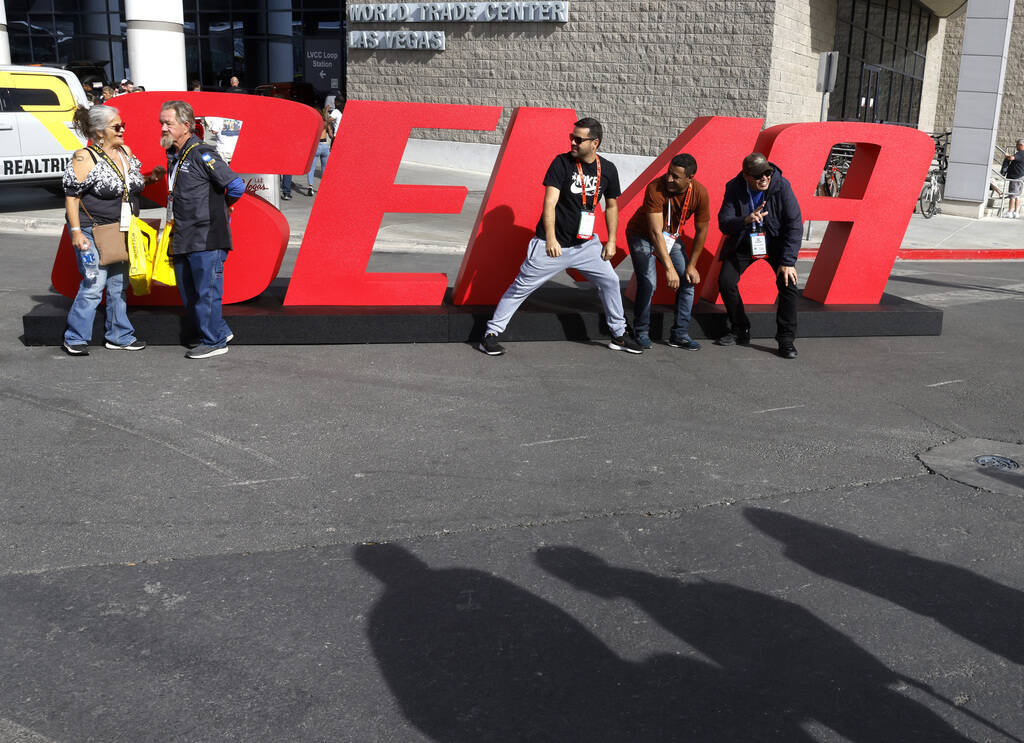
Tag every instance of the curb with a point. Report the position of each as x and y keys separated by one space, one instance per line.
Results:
x=35 y=225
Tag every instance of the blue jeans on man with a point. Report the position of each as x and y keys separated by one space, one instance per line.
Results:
x=200 y=279
x=114 y=278
x=645 y=263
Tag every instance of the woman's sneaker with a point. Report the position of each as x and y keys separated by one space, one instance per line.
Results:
x=135 y=345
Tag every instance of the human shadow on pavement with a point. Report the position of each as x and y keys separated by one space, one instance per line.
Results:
x=780 y=667
x=472 y=657
x=957 y=285
x=1010 y=477
x=973 y=606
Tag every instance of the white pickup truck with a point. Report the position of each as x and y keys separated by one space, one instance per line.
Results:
x=36 y=134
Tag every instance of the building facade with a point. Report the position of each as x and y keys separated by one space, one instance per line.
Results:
x=645 y=68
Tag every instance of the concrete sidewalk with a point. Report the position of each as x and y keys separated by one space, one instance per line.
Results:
x=38 y=211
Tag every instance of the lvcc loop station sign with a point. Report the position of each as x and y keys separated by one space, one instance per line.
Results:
x=544 y=11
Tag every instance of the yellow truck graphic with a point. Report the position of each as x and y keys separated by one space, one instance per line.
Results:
x=36 y=134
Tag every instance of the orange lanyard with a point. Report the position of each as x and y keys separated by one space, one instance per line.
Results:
x=583 y=186
x=682 y=217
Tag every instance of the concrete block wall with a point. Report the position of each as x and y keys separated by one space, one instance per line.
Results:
x=644 y=68
x=933 y=66
x=946 y=97
x=802 y=31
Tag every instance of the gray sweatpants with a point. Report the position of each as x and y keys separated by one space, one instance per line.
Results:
x=539 y=267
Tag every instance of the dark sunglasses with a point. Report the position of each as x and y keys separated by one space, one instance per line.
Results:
x=580 y=140
x=118 y=127
x=763 y=174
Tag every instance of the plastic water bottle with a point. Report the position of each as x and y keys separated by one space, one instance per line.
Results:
x=89 y=262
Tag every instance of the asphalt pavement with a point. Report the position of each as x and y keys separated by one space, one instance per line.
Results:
x=422 y=543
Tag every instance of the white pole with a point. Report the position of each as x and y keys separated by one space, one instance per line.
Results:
x=156 y=44
x=5 y=42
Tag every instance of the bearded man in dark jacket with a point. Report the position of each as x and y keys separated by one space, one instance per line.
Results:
x=760 y=218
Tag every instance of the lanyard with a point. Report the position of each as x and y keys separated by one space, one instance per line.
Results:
x=682 y=217
x=123 y=176
x=177 y=166
x=754 y=226
x=583 y=186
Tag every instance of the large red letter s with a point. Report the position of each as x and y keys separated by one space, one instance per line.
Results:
x=358 y=187
x=277 y=136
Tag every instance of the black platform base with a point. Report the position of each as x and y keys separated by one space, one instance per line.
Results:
x=555 y=313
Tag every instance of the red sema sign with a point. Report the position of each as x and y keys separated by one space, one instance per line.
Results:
x=866 y=224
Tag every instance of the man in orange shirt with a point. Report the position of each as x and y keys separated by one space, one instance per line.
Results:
x=656 y=232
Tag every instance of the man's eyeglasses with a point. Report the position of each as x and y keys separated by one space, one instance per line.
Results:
x=580 y=140
x=763 y=174
x=118 y=127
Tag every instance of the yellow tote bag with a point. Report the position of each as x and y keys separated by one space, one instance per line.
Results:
x=141 y=245
x=163 y=266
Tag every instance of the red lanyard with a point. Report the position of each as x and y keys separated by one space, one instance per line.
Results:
x=682 y=216
x=583 y=186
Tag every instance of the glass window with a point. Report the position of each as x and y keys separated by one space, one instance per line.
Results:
x=892 y=36
x=18 y=98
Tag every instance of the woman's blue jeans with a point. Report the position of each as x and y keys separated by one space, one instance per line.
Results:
x=322 y=151
x=113 y=278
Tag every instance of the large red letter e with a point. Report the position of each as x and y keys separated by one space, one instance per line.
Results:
x=358 y=187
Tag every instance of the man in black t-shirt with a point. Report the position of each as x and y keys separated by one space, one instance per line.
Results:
x=565 y=237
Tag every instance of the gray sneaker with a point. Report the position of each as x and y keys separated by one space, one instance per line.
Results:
x=205 y=352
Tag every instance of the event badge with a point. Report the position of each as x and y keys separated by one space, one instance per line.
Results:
x=170 y=207
x=758 y=245
x=126 y=216
x=586 y=230
x=670 y=239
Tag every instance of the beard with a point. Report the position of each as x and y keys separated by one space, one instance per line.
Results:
x=166 y=141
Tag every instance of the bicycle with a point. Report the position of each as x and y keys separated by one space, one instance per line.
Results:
x=835 y=170
x=930 y=199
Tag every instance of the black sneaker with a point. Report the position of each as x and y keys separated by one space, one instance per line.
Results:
x=625 y=343
x=490 y=346
x=786 y=349
x=135 y=345
x=76 y=349
x=286 y=197
x=741 y=338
